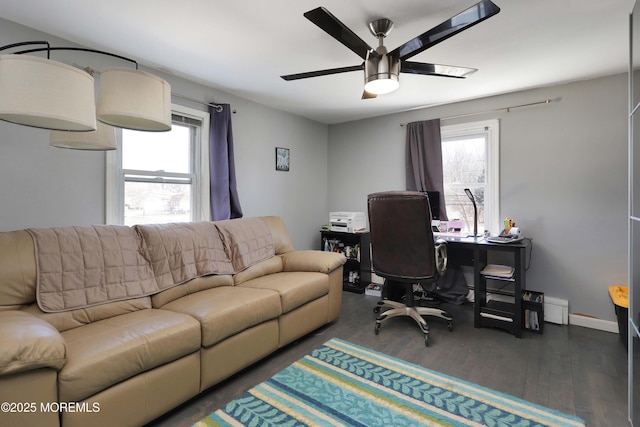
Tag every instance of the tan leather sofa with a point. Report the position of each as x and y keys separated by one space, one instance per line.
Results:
x=128 y=361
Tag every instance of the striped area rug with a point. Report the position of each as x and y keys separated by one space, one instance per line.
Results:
x=343 y=384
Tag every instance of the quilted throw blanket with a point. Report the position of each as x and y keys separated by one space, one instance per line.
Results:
x=81 y=267
x=179 y=252
x=247 y=241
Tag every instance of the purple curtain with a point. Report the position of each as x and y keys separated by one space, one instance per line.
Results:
x=424 y=159
x=225 y=203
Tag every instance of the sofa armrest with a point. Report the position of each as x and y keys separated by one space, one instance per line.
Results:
x=28 y=343
x=310 y=260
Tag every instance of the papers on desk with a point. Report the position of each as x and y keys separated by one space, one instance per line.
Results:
x=496 y=271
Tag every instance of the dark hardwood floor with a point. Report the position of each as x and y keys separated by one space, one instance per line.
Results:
x=575 y=370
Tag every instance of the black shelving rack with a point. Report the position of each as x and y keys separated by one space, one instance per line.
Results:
x=356 y=247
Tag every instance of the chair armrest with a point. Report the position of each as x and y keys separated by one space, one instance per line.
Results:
x=28 y=343
x=310 y=260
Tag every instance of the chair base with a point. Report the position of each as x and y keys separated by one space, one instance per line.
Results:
x=416 y=313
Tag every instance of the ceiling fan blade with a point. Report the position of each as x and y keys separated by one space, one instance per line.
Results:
x=460 y=22
x=336 y=29
x=323 y=72
x=435 y=69
x=368 y=95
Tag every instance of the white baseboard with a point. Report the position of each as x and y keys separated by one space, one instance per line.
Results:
x=593 y=323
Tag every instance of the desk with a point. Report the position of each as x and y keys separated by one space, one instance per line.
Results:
x=469 y=251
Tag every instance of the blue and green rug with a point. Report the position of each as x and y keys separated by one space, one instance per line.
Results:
x=343 y=384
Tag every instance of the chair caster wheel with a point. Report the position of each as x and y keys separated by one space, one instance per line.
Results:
x=376 y=309
x=377 y=330
x=426 y=340
x=450 y=326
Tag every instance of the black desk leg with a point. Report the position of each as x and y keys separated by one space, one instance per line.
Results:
x=479 y=285
x=520 y=285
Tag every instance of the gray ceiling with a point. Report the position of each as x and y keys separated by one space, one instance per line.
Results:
x=244 y=46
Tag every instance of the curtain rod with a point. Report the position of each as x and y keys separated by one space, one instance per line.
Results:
x=507 y=109
x=208 y=104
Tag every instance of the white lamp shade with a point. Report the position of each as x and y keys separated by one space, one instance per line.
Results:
x=102 y=139
x=46 y=94
x=134 y=99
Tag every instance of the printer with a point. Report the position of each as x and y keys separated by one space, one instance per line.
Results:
x=348 y=222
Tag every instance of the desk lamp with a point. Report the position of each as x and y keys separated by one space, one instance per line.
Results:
x=475 y=211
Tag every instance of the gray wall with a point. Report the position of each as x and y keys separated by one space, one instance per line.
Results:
x=563 y=173
x=563 y=178
x=41 y=186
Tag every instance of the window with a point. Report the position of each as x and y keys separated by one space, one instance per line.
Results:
x=160 y=177
x=470 y=159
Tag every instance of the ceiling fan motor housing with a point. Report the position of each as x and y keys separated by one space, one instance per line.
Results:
x=381 y=72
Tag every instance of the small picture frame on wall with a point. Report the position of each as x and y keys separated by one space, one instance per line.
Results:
x=282 y=159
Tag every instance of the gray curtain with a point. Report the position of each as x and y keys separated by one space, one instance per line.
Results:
x=424 y=159
x=225 y=203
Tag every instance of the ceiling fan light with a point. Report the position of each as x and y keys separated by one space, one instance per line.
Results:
x=134 y=99
x=381 y=74
x=46 y=94
x=381 y=86
x=101 y=139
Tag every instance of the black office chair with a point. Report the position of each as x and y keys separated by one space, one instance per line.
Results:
x=405 y=253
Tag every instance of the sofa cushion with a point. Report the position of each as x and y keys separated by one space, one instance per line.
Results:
x=228 y=310
x=281 y=239
x=65 y=320
x=18 y=267
x=28 y=343
x=263 y=268
x=104 y=353
x=294 y=288
x=192 y=286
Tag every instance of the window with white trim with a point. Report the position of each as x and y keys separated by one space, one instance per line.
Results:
x=160 y=177
x=470 y=159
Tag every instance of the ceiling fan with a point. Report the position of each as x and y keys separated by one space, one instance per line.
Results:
x=381 y=68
